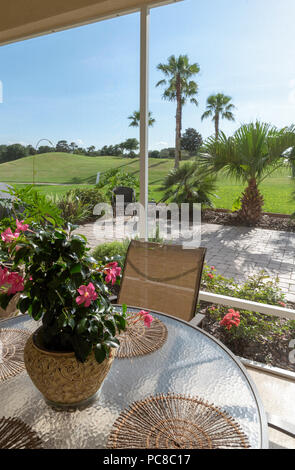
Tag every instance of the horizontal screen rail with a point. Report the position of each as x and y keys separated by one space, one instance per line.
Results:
x=244 y=304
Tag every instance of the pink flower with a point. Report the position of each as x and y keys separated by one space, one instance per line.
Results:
x=112 y=271
x=87 y=295
x=210 y=275
x=7 y=236
x=212 y=308
x=11 y=283
x=20 y=226
x=232 y=318
x=147 y=318
x=212 y=268
x=282 y=304
x=16 y=283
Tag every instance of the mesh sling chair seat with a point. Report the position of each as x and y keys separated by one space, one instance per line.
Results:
x=163 y=278
x=128 y=193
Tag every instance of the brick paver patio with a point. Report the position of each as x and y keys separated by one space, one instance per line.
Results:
x=240 y=251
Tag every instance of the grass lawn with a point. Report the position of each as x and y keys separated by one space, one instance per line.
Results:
x=69 y=170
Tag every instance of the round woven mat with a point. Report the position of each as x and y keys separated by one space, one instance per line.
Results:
x=175 y=422
x=15 y=434
x=12 y=343
x=138 y=340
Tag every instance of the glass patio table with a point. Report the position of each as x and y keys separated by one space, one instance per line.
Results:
x=190 y=362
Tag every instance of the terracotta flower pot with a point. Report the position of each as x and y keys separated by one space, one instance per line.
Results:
x=60 y=377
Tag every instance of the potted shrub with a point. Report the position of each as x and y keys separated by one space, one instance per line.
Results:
x=69 y=356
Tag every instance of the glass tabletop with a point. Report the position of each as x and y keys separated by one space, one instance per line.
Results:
x=190 y=362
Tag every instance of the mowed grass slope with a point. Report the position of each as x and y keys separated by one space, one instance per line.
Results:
x=75 y=169
x=68 y=170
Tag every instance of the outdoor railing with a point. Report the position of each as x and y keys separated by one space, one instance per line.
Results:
x=247 y=305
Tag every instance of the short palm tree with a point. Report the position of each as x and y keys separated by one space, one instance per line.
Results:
x=190 y=184
x=250 y=155
x=219 y=107
x=180 y=88
x=135 y=119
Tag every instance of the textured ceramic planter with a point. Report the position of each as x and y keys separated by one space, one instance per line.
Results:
x=61 y=379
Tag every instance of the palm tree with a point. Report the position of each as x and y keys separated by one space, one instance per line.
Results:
x=135 y=119
x=179 y=87
x=190 y=184
x=219 y=106
x=250 y=155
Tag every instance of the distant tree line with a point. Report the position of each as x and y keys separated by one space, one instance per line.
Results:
x=190 y=143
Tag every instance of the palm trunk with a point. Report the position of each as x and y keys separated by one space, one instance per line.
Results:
x=178 y=124
x=216 y=126
x=252 y=203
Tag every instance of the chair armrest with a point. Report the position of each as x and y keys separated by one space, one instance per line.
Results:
x=197 y=320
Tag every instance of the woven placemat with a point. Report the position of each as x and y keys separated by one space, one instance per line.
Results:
x=138 y=340
x=15 y=434
x=175 y=422
x=12 y=343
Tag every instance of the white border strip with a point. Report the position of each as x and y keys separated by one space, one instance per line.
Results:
x=247 y=305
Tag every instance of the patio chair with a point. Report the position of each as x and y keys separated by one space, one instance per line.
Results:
x=128 y=193
x=163 y=278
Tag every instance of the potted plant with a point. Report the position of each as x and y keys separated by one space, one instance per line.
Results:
x=69 y=356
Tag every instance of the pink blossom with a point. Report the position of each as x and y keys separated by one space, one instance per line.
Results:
x=20 y=226
x=210 y=275
x=232 y=318
x=212 y=308
x=212 y=268
x=87 y=295
x=282 y=304
x=11 y=283
x=147 y=318
x=16 y=283
x=7 y=236
x=112 y=271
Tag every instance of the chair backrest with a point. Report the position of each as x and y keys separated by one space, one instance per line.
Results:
x=165 y=278
x=128 y=193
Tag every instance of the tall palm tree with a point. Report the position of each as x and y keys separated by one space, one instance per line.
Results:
x=219 y=106
x=190 y=184
x=180 y=88
x=250 y=155
x=135 y=119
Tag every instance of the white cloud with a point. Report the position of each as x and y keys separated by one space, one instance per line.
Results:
x=161 y=145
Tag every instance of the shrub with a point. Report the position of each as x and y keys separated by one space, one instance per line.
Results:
x=88 y=196
x=111 y=251
x=116 y=251
x=252 y=326
x=113 y=178
x=72 y=209
x=31 y=206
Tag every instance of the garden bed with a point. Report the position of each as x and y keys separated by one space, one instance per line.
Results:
x=281 y=222
x=272 y=352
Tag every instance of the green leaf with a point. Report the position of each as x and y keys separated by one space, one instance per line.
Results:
x=82 y=326
x=76 y=269
x=100 y=353
x=24 y=304
x=237 y=204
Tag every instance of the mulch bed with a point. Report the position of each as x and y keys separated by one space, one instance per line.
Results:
x=267 y=221
x=274 y=352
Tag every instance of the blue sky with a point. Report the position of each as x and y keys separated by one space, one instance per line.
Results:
x=81 y=84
